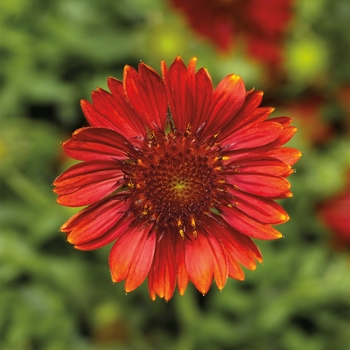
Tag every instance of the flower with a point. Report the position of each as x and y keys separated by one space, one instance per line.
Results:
x=262 y=24
x=334 y=213
x=309 y=112
x=178 y=176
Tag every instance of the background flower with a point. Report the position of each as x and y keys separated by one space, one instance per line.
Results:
x=334 y=212
x=261 y=24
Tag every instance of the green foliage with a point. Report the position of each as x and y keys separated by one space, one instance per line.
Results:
x=53 y=297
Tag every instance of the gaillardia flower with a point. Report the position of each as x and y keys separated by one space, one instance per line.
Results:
x=261 y=23
x=179 y=176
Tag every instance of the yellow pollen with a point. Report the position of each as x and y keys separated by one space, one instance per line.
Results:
x=179 y=186
x=234 y=77
x=182 y=233
x=225 y=158
x=193 y=222
x=194 y=233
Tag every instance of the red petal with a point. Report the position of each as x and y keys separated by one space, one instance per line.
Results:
x=264 y=210
x=109 y=236
x=285 y=154
x=87 y=182
x=96 y=144
x=198 y=257
x=189 y=93
x=248 y=226
x=266 y=166
x=134 y=247
x=219 y=261
x=253 y=136
x=95 y=118
x=285 y=121
x=146 y=93
x=260 y=185
x=182 y=275
x=117 y=110
x=203 y=98
x=228 y=98
x=238 y=247
x=94 y=220
x=162 y=275
x=246 y=114
x=180 y=95
x=141 y=264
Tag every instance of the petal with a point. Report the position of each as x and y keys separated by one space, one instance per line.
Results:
x=189 y=93
x=182 y=275
x=219 y=261
x=141 y=264
x=266 y=166
x=238 y=247
x=198 y=257
x=94 y=118
x=118 y=111
x=285 y=136
x=248 y=226
x=285 y=154
x=180 y=95
x=87 y=182
x=95 y=220
x=228 y=98
x=96 y=144
x=202 y=99
x=260 y=185
x=253 y=136
x=247 y=114
x=162 y=275
x=146 y=93
x=264 y=210
x=285 y=121
x=109 y=236
x=131 y=256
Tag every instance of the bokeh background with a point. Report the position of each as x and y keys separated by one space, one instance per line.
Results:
x=53 y=297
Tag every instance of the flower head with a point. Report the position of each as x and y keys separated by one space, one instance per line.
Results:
x=178 y=175
x=261 y=23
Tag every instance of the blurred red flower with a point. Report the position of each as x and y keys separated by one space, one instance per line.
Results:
x=179 y=176
x=308 y=114
x=262 y=24
x=335 y=213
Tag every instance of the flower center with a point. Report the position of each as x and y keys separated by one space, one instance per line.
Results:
x=175 y=181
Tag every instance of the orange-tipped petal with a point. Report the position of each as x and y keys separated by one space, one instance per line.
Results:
x=162 y=276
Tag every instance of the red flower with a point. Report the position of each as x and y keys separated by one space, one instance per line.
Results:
x=308 y=114
x=335 y=213
x=178 y=176
x=261 y=23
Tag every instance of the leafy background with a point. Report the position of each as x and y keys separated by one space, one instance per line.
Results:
x=53 y=297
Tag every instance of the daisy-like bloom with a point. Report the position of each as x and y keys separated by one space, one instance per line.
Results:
x=178 y=175
x=262 y=24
